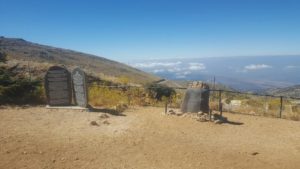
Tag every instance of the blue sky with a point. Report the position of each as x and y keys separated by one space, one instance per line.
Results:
x=126 y=30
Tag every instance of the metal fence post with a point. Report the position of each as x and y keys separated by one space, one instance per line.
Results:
x=220 y=102
x=281 y=106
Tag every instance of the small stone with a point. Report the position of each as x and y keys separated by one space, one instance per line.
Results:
x=254 y=153
x=104 y=116
x=200 y=113
x=53 y=161
x=218 y=122
x=106 y=122
x=24 y=152
x=94 y=123
x=179 y=113
x=171 y=112
x=202 y=118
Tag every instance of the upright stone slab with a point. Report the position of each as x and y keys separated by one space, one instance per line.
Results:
x=58 y=86
x=192 y=101
x=80 y=87
x=196 y=99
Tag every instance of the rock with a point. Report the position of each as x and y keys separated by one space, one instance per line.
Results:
x=104 y=116
x=171 y=112
x=121 y=107
x=218 y=122
x=200 y=113
x=254 y=153
x=179 y=113
x=184 y=115
x=106 y=122
x=202 y=118
x=94 y=123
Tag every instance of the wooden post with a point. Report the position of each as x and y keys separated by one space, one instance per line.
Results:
x=220 y=102
x=128 y=95
x=166 y=107
x=281 y=106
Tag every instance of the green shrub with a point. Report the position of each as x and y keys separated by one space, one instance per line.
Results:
x=158 y=91
x=16 y=89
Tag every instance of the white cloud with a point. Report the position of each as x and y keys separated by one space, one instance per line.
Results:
x=156 y=64
x=257 y=67
x=174 y=69
x=158 y=70
x=177 y=68
x=196 y=66
x=182 y=75
x=291 y=67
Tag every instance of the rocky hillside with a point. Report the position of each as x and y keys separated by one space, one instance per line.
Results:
x=37 y=58
x=293 y=91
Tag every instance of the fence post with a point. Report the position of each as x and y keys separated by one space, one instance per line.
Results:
x=166 y=107
x=220 y=102
x=128 y=95
x=281 y=106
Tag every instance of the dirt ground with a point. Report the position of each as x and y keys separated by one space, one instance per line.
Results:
x=142 y=138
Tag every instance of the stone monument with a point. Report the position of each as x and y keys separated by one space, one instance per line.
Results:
x=196 y=98
x=80 y=87
x=58 y=86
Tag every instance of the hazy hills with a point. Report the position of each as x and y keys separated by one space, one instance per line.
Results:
x=293 y=91
x=40 y=57
x=256 y=73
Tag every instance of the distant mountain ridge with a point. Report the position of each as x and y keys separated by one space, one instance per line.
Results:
x=40 y=57
x=293 y=91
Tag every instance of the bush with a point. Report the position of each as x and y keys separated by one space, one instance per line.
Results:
x=158 y=91
x=16 y=89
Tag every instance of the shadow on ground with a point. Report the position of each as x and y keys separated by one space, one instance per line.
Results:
x=225 y=120
x=106 y=110
x=233 y=122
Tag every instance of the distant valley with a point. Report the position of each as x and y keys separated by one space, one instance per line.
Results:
x=256 y=73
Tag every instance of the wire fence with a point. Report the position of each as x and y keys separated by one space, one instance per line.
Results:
x=256 y=104
x=220 y=100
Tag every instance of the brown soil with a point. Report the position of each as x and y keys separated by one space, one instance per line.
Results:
x=39 y=138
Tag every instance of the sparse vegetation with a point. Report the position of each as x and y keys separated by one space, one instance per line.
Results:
x=105 y=96
x=15 y=88
x=158 y=91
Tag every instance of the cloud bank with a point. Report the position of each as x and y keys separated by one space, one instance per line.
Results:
x=257 y=67
x=179 y=69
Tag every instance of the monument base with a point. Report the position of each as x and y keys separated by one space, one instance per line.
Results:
x=67 y=107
